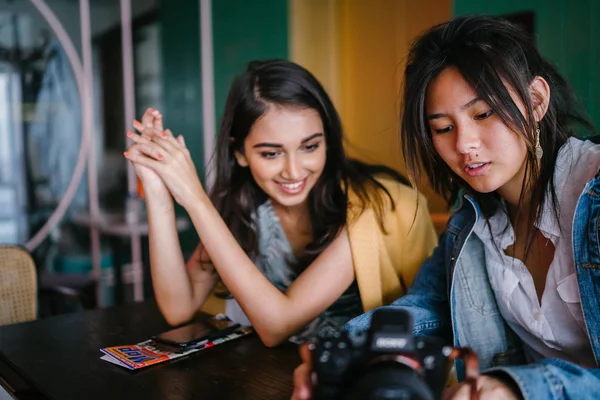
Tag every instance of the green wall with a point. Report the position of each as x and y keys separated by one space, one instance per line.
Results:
x=180 y=44
x=566 y=33
x=245 y=30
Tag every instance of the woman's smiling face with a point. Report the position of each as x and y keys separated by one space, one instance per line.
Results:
x=286 y=153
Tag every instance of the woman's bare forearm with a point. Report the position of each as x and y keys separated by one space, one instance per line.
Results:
x=178 y=297
x=274 y=315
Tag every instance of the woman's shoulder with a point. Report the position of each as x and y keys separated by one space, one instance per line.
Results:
x=578 y=159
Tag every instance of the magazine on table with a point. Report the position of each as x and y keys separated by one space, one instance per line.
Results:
x=175 y=344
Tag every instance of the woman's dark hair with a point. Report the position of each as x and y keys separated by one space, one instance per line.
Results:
x=494 y=57
x=236 y=195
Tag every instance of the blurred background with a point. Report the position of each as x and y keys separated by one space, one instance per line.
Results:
x=74 y=74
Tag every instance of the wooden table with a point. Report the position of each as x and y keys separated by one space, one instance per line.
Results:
x=59 y=358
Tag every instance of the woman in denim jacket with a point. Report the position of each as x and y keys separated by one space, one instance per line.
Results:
x=516 y=274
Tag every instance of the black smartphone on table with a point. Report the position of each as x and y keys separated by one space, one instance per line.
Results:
x=196 y=333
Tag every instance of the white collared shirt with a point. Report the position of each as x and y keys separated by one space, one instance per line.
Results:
x=555 y=328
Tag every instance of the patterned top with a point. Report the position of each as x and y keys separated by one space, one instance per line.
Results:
x=276 y=261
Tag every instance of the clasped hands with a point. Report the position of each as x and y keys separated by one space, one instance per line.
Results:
x=163 y=162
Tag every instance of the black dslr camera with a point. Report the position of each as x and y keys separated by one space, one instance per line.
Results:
x=385 y=362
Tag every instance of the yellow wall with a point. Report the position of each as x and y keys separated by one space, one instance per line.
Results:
x=314 y=40
x=357 y=49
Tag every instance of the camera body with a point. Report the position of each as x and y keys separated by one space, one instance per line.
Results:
x=385 y=362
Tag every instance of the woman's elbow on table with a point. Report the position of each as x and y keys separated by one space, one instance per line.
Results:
x=273 y=335
x=177 y=315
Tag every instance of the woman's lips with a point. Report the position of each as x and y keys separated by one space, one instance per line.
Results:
x=476 y=169
x=292 y=187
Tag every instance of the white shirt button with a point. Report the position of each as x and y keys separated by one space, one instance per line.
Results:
x=538 y=315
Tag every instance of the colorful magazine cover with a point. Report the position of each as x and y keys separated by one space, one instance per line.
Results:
x=149 y=352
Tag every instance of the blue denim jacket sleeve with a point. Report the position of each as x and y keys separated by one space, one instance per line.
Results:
x=553 y=379
x=426 y=299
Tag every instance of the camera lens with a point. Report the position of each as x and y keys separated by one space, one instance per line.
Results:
x=390 y=381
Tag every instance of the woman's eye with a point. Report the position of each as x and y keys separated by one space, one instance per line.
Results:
x=484 y=115
x=311 y=147
x=270 y=154
x=444 y=130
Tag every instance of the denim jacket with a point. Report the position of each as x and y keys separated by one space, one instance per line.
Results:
x=452 y=297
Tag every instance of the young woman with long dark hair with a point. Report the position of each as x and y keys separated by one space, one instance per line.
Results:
x=516 y=273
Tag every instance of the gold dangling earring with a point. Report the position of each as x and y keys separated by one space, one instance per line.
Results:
x=539 y=152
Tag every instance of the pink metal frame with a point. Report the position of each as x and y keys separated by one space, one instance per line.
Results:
x=128 y=92
x=208 y=87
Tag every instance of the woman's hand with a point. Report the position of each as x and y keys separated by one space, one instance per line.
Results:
x=170 y=159
x=151 y=182
x=302 y=376
x=488 y=388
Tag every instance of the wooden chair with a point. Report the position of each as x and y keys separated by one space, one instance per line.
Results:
x=18 y=286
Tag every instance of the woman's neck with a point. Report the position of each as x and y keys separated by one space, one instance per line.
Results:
x=297 y=213
x=296 y=224
x=511 y=194
x=516 y=213
x=517 y=202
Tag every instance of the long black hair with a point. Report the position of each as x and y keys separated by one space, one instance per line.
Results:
x=236 y=195
x=494 y=57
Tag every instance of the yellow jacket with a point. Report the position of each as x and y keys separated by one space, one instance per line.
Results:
x=385 y=262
